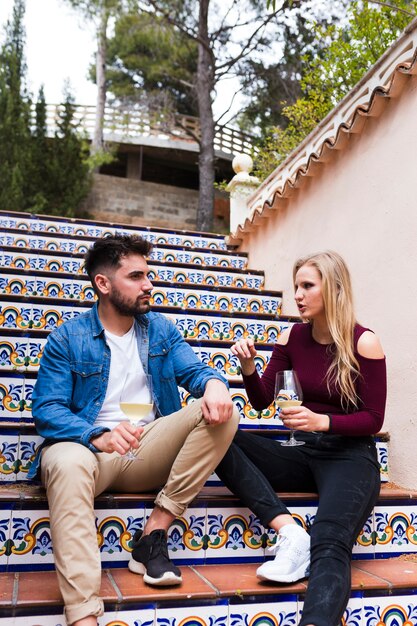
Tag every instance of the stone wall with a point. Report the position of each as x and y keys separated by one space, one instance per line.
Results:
x=137 y=202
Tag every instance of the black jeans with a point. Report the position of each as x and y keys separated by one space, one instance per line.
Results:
x=345 y=473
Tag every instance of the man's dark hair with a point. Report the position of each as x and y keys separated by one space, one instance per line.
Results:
x=107 y=253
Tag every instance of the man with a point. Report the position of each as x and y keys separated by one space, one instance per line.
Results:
x=76 y=408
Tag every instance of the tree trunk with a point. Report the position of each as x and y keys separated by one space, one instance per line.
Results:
x=97 y=144
x=205 y=86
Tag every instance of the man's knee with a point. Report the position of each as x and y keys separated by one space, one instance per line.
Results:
x=67 y=460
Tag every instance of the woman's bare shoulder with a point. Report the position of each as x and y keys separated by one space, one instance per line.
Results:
x=284 y=337
x=369 y=346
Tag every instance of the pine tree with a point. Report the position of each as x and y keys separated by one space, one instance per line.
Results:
x=69 y=168
x=15 y=137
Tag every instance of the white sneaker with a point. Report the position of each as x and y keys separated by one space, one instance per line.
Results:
x=292 y=556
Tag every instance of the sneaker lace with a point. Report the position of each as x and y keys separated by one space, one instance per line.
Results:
x=160 y=547
x=280 y=541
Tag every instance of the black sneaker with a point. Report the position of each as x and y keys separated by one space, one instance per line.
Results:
x=150 y=558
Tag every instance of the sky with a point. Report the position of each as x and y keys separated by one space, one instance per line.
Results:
x=58 y=47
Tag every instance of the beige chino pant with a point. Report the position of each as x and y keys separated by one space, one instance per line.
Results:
x=177 y=452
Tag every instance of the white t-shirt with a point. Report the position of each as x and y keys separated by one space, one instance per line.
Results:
x=126 y=375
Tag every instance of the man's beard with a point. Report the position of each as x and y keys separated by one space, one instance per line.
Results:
x=126 y=307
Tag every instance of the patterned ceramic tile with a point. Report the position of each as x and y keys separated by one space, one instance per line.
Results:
x=12 y=395
x=395 y=529
x=217 y=301
x=35 y=347
x=364 y=544
x=382 y=450
x=30 y=537
x=353 y=615
x=92 y=230
x=15 y=316
x=47 y=317
x=54 y=287
x=11 y=284
x=395 y=611
x=27 y=399
x=248 y=416
x=234 y=533
x=283 y=613
x=5 y=526
x=214 y=615
x=226 y=364
x=9 y=455
x=135 y=617
x=229 y=329
x=187 y=536
x=28 y=445
x=115 y=529
x=210 y=259
x=13 y=352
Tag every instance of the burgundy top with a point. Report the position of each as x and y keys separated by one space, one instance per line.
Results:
x=311 y=361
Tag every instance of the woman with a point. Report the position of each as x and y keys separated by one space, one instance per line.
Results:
x=341 y=367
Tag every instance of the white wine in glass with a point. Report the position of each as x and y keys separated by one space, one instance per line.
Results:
x=135 y=411
x=288 y=393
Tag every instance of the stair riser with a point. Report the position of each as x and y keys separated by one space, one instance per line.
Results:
x=188 y=297
x=23 y=354
x=16 y=403
x=18 y=450
x=45 y=243
x=208 y=327
x=39 y=225
x=362 y=610
x=50 y=263
x=209 y=532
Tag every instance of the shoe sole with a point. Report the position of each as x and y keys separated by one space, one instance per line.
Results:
x=299 y=574
x=168 y=579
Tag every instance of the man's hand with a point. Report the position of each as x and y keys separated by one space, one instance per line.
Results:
x=217 y=405
x=121 y=439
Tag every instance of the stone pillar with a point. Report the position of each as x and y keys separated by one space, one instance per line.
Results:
x=240 y=187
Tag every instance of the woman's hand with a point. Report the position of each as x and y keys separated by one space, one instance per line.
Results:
x=245 y=351
x=301 y=418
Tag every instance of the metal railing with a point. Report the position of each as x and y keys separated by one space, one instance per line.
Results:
x=127 y=125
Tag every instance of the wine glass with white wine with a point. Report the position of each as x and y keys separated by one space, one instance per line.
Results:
x=288 y=393
x=134 y=409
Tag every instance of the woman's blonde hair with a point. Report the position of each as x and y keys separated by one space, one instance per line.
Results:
x=340 y=317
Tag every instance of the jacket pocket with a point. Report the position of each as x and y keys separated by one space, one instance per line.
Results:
x=86 y=377
x=160 y=358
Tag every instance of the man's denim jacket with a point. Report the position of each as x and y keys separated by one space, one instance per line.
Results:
x=74 y=374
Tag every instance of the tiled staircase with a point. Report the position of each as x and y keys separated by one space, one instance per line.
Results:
x=213 y=299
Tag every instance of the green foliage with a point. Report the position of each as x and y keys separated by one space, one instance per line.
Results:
x=38 y=173
x=147 y=59
x=68 y=163
x=15 y=137
x=352 y=49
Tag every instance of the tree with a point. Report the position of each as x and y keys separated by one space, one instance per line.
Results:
x=15 y=137
x=223 y=34
x=99 y=12
x=353 y=48
x=270 y=84
x=37 y=172
x=69 y=165
x=152 y=64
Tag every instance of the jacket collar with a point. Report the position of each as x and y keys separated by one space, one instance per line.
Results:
x=98 y=327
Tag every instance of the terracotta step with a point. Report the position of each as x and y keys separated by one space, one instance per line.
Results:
x=236 y=582
x=27 y=492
